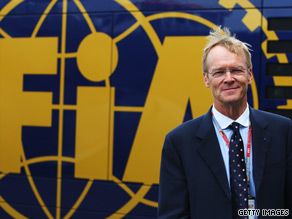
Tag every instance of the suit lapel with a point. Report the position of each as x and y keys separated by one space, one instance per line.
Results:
x=211 y=153
x=260 y=142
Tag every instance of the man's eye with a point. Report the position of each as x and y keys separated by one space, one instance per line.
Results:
x=236 y=71
x=219 y=72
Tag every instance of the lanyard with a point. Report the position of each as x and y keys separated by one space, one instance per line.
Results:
x=248 y=146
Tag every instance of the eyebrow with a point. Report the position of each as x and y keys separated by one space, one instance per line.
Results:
x=227 y=68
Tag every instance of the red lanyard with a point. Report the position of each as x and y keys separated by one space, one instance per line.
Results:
x=248 y=141
x=248 y=145
x=247 y=153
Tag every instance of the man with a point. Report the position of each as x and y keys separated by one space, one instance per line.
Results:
x=233 y=156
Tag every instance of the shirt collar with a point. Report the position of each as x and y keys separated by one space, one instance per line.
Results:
x=225 y=121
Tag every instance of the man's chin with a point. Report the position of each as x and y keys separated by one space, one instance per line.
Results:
x=232 y=100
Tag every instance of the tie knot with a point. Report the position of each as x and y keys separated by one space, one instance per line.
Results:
x=235 y=126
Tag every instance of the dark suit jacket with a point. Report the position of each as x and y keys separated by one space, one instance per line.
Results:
x=193 y=181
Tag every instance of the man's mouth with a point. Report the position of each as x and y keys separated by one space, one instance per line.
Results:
x=230 y=89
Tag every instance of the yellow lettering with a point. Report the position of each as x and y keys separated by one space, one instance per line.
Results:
x=92 y=132
x=177 y=79
x=21 y=56
x=97 y=57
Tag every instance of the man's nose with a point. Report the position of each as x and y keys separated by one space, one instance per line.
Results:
x=228 y=76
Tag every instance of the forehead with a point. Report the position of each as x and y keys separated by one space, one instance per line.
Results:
x=220 y=57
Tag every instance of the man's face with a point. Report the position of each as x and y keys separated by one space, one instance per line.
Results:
x=228 y=89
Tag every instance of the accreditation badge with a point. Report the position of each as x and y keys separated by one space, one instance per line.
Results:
x=251 y=206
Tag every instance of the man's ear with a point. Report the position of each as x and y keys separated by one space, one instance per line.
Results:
x=206 y=79
x=250 y=76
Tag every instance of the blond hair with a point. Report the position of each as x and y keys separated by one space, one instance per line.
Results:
x=223 y=37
